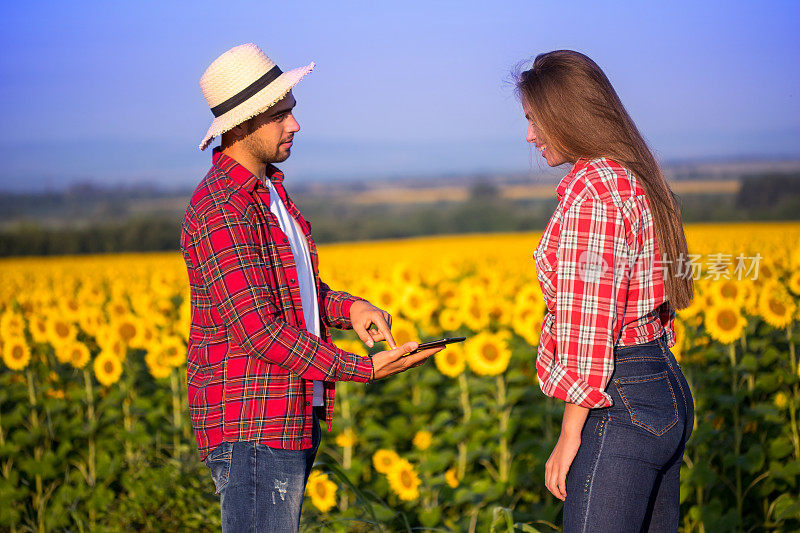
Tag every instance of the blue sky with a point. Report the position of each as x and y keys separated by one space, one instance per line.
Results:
x=109 y=92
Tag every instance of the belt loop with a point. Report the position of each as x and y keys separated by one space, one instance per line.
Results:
x=662 y=343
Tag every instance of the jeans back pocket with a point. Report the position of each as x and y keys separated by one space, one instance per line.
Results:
x=219 y=462
x=650 y=401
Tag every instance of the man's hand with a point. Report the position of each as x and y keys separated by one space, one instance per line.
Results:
x=385 y=364
x=363 y=315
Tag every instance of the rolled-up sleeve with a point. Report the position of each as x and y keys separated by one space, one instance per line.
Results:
x=591 y=279
x=233 y=268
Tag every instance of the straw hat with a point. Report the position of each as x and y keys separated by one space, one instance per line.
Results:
x=240 y=84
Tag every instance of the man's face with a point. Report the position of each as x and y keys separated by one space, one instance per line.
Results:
x=270 y=137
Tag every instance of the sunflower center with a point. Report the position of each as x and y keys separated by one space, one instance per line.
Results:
x=726 y=320
x=108 y=367
x=127 y=331
x=729 y=291
x=452 y=358
x=777 y=307
x=406 y=479
x=490 y=353
x=322 y=491
x=17 y=353
x=62 y=330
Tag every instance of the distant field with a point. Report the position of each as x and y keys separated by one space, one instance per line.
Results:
x=429 y=195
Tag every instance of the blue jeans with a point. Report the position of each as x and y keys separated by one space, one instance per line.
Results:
x=261 y=488
x=626 y=475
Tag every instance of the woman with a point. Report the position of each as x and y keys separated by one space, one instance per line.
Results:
x=609 y=267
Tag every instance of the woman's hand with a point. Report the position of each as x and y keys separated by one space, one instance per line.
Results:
x=557 y=466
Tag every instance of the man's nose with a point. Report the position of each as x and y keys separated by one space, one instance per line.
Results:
x=292 y=125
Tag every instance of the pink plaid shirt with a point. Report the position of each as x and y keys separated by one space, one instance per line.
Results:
x=601 y=280
x=251 y=361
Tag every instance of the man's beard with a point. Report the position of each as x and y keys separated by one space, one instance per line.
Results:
x=267 y=154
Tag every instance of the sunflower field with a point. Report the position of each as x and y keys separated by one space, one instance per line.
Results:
x=94 y=430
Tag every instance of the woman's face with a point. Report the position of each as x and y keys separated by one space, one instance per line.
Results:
x=553 y=157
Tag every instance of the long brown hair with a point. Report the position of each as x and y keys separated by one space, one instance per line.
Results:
x=579 y=114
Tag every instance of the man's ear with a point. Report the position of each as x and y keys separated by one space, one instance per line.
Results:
x=239 y=131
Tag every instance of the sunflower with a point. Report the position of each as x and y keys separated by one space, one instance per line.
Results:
x=107 y=368
x=680 y=340
x=775 y=305
x=474 y=313
x=694 y=308
x=91 y=320
x=322 y=491
x=403 y=331
x=417 y=304
x=108 y=341
x=527 y=322
x=157 y=369
x=404 y=276
x=794 y=282
x=781 y=400
x=385 y=296
x=451 y=477
x=488 y=354
x=729 y=289
x=384 y=460
x=12 y=324
x=346 y=438
x=70 y=308
x=128 y=328
x=356 y=347
x=117 y=307
x=451 y=361
x=422 y=440
x=724 y=322
x=499 y=311
x=60 y=330
x=171 y=352
x=448 y=293
x=404 y=481
x=38 y=328
x=449 y=319
x=16 y=353
x=79 y=354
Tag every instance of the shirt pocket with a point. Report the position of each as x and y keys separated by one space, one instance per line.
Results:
x=650 y=401
x=219 y=462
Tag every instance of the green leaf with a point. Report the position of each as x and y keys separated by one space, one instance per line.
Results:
x=430 y=517
x=786 y=507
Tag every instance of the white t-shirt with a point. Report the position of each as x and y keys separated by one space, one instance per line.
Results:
x=305 y=271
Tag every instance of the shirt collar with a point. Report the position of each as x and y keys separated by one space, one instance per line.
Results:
x=240 y=175
x=567 y=180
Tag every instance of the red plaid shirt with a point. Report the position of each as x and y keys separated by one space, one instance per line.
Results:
x=251 y=361
x=600 y=279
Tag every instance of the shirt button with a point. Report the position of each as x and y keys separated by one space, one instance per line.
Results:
x=285 y=239
x=308 y=403
x=291 y=280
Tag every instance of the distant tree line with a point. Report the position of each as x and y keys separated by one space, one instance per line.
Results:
x=771 y=197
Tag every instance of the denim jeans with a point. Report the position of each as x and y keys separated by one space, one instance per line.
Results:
x=626 y=475
x=261 y=488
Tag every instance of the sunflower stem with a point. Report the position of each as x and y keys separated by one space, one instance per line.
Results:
x=347 y=451
x=90 y=417
x=737 y=431
x=467 y=414
x=795 y=395
x=127 y=422
x=176 y=413
x=38 y=498
x=504 y=415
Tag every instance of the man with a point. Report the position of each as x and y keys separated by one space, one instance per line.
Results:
x=261 y=366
